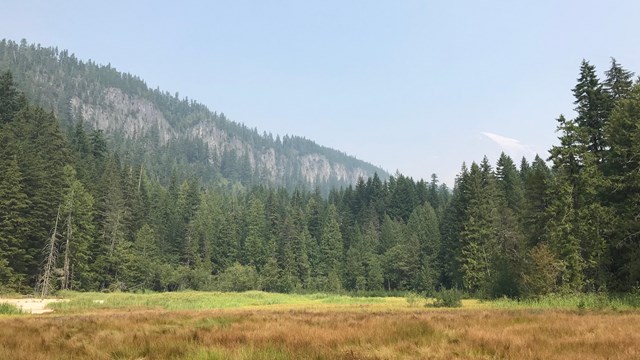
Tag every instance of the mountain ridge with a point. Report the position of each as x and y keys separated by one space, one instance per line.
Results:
x=148 y=124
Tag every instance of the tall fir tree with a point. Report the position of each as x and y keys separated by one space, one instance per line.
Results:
x=423 y=224
x=14 y=222
x=623 y=135
x=592 y=107
x=331 y=250
x=479 y=234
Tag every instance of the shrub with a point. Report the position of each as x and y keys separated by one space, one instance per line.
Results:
x=412 y=298
x=8 y=309
x=448 y=298
x=238 y=278
x=541 y=272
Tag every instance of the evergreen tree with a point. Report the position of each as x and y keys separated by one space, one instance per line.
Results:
x=372 y=260
x=302 y=245
x=11 y=100
x=479 y=234
x=14 y=223
x=561 y=235
x=331 y=250
x=536 y=182
x=77 y=212
x=355 y=272
x=254 y=251
x=403 y=198
x=591 y=106
x=113 y=253
x=42 y=154
x=623 y=190
x=402 y=265
x=147 y=257
x=575 y=212
x=423 y=224
x=618 y=82
x=451 y=229
x=509 y=183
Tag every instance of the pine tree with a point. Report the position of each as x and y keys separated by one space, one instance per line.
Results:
x=536 y=182
x=423 y=224
x=618 y=82
x=188 y=246
x=11 y=100
x=575 y=229
x=14 y=223
x=254 y=251
x=622 y=133
x=228 y=249
x=451 y=229
x=402 y=265
x=479 y=234
x=509 y=183
x=331 y=249
x=592 y=107
x=42 y=154
x=147 y=258
x=302 y=242
x=77 y=212
x=403 y=198
x=390 y=234
x=510 y=236
x=355 y=272
x=112 y=224
x=561 y=235
x=372 y=260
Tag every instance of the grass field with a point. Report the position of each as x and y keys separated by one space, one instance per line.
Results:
x=256 y=325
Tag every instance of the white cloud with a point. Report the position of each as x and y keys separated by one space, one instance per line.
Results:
x=509 y=145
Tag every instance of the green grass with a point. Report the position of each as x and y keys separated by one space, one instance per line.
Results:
x=193 y=300
x=8 y=309
x=591 y=301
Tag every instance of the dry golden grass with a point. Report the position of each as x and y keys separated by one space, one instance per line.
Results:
x=322 y=334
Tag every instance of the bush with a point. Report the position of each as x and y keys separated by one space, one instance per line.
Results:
x=412 y=298
x=541 y=272
x=448 y=298
x=238 y=278
x=8 y=309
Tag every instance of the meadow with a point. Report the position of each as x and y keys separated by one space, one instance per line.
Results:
x=258 y=325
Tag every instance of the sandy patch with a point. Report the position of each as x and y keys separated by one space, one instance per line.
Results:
x=32 y=306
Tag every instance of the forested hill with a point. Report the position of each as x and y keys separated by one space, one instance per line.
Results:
x=75 y=214
x=170 y=134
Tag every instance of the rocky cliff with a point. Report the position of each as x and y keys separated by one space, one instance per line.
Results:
x=122 y=104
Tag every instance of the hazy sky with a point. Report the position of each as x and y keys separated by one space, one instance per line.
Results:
x=417 y=86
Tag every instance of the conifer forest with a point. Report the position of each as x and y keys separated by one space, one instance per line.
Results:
x=81 y=209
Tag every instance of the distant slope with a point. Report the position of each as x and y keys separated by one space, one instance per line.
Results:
x=169 y=134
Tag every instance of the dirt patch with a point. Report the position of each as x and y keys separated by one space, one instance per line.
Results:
x=32 y=306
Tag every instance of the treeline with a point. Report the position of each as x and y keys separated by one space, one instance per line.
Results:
x=74 y=215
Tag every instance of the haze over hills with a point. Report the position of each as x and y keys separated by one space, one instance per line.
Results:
x=168 y=133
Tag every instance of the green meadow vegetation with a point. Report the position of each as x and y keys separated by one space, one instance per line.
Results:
x=196 y=300
x=8 y=309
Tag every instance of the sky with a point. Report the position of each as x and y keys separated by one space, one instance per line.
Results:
x=414 y=86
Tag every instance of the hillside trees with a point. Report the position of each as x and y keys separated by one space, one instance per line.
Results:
x=110 y=223
x=55 y=79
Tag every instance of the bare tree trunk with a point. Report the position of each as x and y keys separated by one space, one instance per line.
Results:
x=50 y=263
x=140 y=177
x=67 y=266
x=114 y=235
